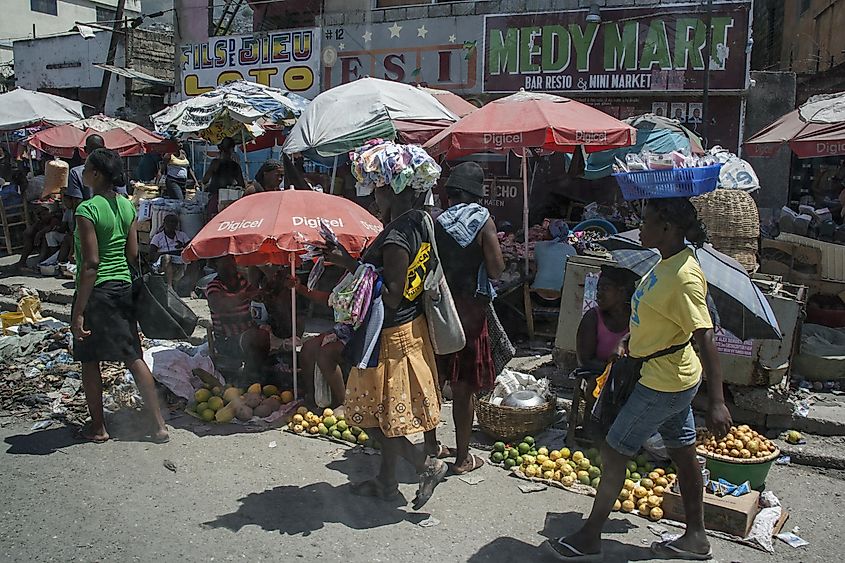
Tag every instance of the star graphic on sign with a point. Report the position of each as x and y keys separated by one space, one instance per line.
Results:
x=395 y=29
x=367 y=37
x=453 y=38
x=422 y=31
x=341 y=46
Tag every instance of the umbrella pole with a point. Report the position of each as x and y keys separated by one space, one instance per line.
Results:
x=334 y=175
x=293 y=327
x=525 y=205
x=246 y=161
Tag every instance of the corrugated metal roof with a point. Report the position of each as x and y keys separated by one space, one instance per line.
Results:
x=133 y=74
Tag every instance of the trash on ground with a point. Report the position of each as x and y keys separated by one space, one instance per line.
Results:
x=792 y=539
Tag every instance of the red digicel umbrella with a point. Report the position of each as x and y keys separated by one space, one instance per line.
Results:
x=532 y=120
x=123 y=137
x=815 y=129
x=274 y=227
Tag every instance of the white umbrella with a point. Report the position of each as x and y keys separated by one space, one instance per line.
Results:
x=24 y=108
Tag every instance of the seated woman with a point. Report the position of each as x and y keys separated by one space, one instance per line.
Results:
x=603 y=327
x=166 y=250
x=35 y=236
x=235 y=334
x=269 y=178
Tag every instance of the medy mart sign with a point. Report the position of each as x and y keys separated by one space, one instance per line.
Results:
x=661 y=48
x=288 y=59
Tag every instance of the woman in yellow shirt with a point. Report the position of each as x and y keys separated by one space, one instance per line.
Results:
x=668 y=310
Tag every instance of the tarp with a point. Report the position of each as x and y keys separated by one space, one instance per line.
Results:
x=24 y=108
x=347 y=116
x=123 y=137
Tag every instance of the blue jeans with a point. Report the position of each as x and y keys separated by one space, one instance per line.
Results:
x=648 y=411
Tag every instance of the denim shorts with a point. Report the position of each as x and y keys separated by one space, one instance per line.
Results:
x=648 y=411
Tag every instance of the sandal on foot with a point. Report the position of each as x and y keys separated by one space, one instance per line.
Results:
x=475 y=463
x=444 y=451
x=159 y=439
x=85 y=435
x=565 y=552
x=665 y=550
x=433 y=474
x=373 y=488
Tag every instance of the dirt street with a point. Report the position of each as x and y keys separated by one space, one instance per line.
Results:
x=234 y=498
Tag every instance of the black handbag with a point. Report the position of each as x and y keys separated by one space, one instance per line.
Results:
x=624 y=375
x=160 y=311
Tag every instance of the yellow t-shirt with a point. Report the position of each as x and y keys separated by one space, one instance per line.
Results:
x=668 y=306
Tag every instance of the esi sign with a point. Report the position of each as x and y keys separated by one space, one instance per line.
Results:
x=660 y=48
x=287 y=59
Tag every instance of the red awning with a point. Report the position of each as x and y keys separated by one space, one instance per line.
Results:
x=123 y=137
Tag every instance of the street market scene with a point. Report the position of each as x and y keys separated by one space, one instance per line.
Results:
x=367 y=280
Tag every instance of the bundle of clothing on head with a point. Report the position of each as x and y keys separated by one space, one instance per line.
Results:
x=384 y=163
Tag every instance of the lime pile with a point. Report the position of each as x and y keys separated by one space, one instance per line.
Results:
x=330 y=425
x=224 y=404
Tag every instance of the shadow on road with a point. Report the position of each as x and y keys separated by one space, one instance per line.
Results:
x=563 y=524
x=359 y=466
x=44 y=442
x=293 y=510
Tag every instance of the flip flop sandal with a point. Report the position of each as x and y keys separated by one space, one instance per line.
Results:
x=444 y=451
x=374 y=489
x=665 y=550
x=83 y=435
x=565 y=552
x=429 y=479
x=477 y=463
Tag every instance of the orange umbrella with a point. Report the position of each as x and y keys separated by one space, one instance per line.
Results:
x=275 y=227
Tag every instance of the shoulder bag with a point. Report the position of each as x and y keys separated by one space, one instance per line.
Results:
x=444 y=324
x=624 y=376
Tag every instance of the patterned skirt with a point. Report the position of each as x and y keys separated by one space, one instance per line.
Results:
x=400 y=396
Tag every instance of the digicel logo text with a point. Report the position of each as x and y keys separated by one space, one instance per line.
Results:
x=233 y=226
x=314 y=222
x=502 y=140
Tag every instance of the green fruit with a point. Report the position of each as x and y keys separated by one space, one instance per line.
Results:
x=528 y=440
x=641 y=459
x=321 y=428
x=584 y=464
x=591 y=453
x=509 y=463
x=595 y=482
x=348 y=436
x=363 y=438
x=207 y=415
x=642 y=470
x=594 y=472
x=523 y=448
x=215 y=403
x=635 y=477
x=793 y=437
x=202 y=395
x=513 y=453
x=631 y=465
x=336 y=434
x=355 y=430
x=649 y=467
x=533 y=452
x=519 y=461
x=499 y=447
x=202 y=406
x=329 y=421
x=627 y=473
x=573 y=464
x=497 y=457
x=583 y=478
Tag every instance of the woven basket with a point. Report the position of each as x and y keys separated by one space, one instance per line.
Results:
x=508 y=423
x=733 y=224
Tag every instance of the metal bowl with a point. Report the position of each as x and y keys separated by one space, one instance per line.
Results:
x=523 y=400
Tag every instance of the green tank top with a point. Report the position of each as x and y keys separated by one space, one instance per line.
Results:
x=112 y=218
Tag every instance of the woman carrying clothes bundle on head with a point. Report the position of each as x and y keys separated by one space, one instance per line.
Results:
x=668 y=312
x=399 y=396
x=269 y=178
x=103 y=320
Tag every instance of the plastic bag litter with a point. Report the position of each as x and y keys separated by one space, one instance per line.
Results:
x=173 y=369
x=510 y=381
x=765 y=521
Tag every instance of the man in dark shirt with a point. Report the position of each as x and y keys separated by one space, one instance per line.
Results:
x=74 y=181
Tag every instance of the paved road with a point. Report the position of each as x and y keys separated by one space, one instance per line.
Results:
x=233 y=498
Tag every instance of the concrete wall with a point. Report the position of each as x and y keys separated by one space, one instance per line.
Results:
x=772 y=96
x=813 y=39
x=70 y=59
x=18 y=18
x=152 y=53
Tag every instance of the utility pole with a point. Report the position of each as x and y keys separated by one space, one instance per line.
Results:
x=104 y=86
x=708 y=50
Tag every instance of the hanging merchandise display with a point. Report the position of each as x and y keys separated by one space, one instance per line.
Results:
x=382 y=163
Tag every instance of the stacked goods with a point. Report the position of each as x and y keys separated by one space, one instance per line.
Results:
x=224 y=404
x=328 y=425
x=642 y=491
x=733 y=224
x=383 y=163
